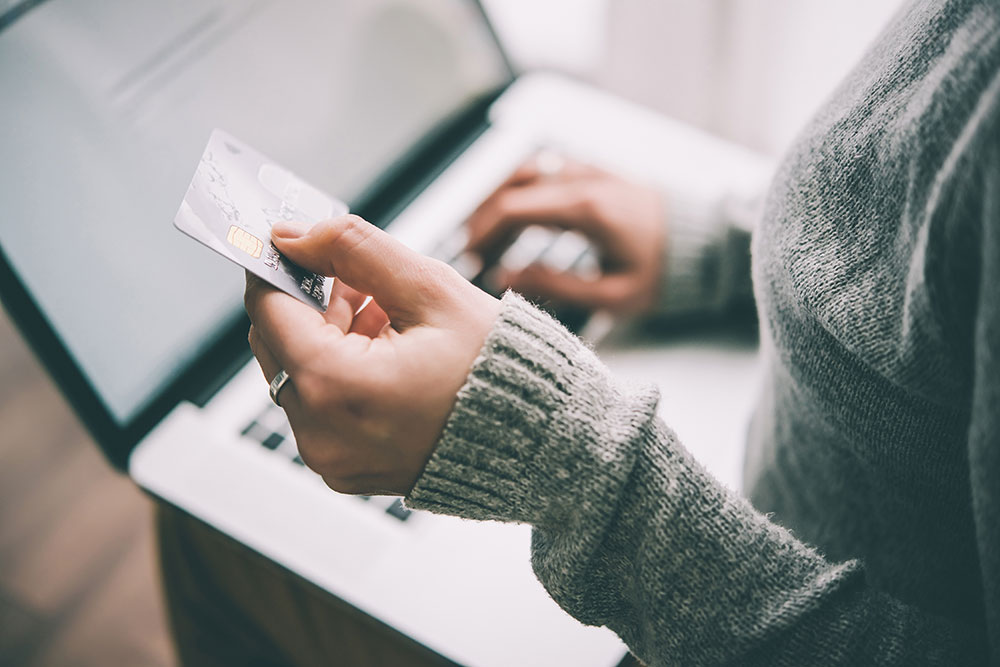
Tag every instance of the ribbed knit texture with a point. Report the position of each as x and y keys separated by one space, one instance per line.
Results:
x=707 y=254
x=877 y=437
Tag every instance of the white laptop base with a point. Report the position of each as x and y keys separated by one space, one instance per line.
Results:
x=462 y=588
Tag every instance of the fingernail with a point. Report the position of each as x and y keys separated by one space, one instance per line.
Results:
x=290 y=230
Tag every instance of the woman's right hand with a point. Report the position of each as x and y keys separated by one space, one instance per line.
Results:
x=371 y=386
x=624 y=221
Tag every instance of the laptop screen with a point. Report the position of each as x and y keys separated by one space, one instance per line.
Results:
x=107 y=107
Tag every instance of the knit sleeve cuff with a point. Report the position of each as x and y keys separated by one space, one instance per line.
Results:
x=694 y=233
x=536 y=420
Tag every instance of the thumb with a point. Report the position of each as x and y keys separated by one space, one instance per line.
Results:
x=365 y=258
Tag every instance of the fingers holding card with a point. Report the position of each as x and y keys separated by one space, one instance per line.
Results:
x=236 y=196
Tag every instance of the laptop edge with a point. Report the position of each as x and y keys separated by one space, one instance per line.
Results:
x=228 y=351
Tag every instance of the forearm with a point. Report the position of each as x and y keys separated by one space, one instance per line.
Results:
x=631 y=532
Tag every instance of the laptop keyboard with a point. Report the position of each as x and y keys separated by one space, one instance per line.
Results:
x=270 y=430
x=558 y=250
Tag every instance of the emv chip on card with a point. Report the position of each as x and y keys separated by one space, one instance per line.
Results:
x=235 y=197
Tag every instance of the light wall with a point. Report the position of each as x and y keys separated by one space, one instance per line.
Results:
x=750 y=70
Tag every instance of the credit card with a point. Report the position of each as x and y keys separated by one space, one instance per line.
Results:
x=235 y=197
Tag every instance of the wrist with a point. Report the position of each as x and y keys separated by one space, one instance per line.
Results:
x=689 y=266
x=527 y=428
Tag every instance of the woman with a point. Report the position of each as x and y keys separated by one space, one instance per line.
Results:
x=873 y=464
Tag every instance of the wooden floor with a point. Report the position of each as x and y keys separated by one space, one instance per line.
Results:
x=78 y=582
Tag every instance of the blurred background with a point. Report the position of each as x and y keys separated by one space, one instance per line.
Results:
x=78 y=583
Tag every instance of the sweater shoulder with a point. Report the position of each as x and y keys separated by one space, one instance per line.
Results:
x=871 y=225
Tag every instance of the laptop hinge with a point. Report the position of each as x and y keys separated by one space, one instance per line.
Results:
x=402 y=182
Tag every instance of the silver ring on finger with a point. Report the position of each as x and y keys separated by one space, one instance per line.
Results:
x=276 y=385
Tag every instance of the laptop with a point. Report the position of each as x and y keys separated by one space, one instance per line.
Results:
x=408 y=110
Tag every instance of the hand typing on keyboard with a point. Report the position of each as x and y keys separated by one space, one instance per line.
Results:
x=369 y=390
x=623 y=220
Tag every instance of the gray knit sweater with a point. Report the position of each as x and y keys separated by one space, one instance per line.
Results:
x=873 y=465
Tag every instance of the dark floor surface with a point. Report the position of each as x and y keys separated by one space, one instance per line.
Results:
x=78 y=582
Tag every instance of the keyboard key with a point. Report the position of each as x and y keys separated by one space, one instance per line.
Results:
x=468 y=265
x=565 y=251
x=451 y=246
x=530 y=244
x=257 y=432
x=588 y=266
x=397 y=510
x=273 y=441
